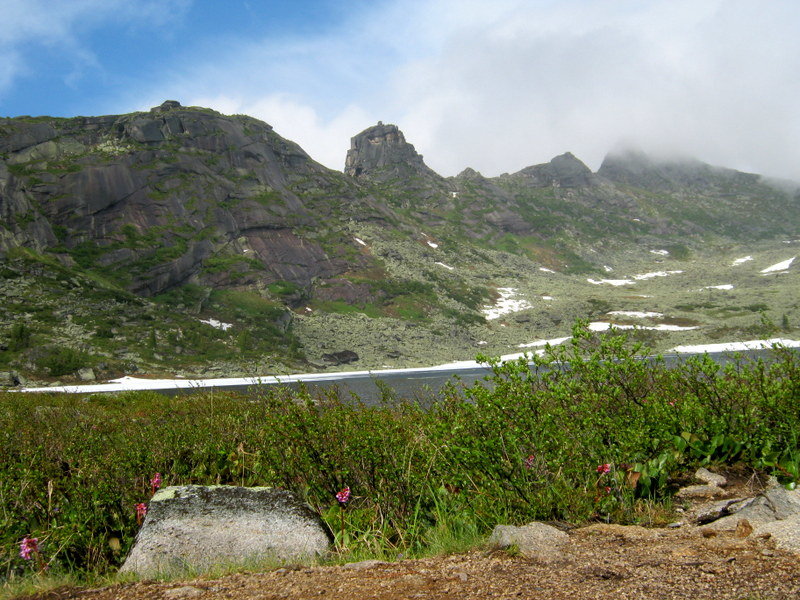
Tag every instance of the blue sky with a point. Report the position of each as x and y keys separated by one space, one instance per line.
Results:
x=492 y=85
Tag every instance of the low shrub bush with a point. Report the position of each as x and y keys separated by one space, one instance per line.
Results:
x=591 y=431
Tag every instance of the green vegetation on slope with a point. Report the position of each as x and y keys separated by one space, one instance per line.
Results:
x=549 y=445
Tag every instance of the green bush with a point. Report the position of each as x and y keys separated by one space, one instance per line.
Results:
x=61 y=361
x=591 y=432
x=19 y=338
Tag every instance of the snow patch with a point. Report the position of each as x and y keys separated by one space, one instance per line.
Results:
x=737 y=346
x=655 y=274
x=360 y=241
x=636 y=313
x=505 y=304
x=724 y=286
x=432 y=244
x=781 y=266
x=610 y=281
x=742 y=260
x=217 y=324
x=547 y=297
x=607 y=268
x=605 y=326
x=539 y=343
x=660 y=252
x=546 y=270
x=441 y=264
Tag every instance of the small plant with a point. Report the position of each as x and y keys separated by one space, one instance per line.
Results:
x=19 y=338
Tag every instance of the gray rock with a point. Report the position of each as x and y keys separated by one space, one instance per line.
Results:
x=723 y=508
x=775 y=504
x=340 y=358
x=709 y=478
x=195 y=528
x=537 y=541
x=699 y=492
x=785 y=533
x=86 y=374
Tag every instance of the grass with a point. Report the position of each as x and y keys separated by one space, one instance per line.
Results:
x=524 y=447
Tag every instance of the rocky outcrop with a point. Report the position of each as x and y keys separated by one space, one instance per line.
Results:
x=196 y=528
x=382 y=150
x=562 y=171
x=536 y=541
x=159 y=199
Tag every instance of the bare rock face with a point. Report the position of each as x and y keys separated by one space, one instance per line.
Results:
x=564 y=170
x=382 y=148
x=155 y=198
x=195 y=528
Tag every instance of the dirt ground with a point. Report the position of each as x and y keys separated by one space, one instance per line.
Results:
x=600 y=562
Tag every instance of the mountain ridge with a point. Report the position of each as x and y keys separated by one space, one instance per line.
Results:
x=183 y=213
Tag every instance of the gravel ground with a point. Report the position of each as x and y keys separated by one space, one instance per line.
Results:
x=600 y=562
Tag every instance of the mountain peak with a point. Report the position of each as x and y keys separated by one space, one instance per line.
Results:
x=565 y=170
x=382 y=148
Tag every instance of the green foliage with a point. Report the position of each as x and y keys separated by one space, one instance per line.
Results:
x=283 y=288
x=592 y=430
x=61 y=361
x=19 y=338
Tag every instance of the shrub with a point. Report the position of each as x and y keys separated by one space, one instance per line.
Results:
x=61 y=361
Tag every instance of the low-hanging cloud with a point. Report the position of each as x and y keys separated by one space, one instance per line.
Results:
x=501 y=85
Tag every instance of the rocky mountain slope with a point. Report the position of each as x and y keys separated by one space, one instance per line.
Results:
x=184 y=240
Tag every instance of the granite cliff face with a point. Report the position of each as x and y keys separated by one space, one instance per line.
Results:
x=152 y=197
x=381 y=152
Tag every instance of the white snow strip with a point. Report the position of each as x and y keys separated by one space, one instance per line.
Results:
x=742 y=260
x=636 y=313
x=604 y=326
x=432 y=244
x=217 y=324
x=546 y=270
x=547 y=297
x=309 y=309
x=360 y=241
x=611 y=281
x=441 y=264
x=660 y=252
x=505 y=304
x=128 y=383
x=637 y=220
x=539 y=343
x=781 y=266
x=737 y=346
x=482 y=343
x=655 y=274
x=607 y=268
x=724 y=286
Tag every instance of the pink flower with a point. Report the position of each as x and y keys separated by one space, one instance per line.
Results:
x=141 y=512
x=529 y=461
x=155 y=482
x=28 y=546
x=343 y=496
x=604 y=468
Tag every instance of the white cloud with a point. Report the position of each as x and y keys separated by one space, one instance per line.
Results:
x=496 y=86
x=296 y=121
